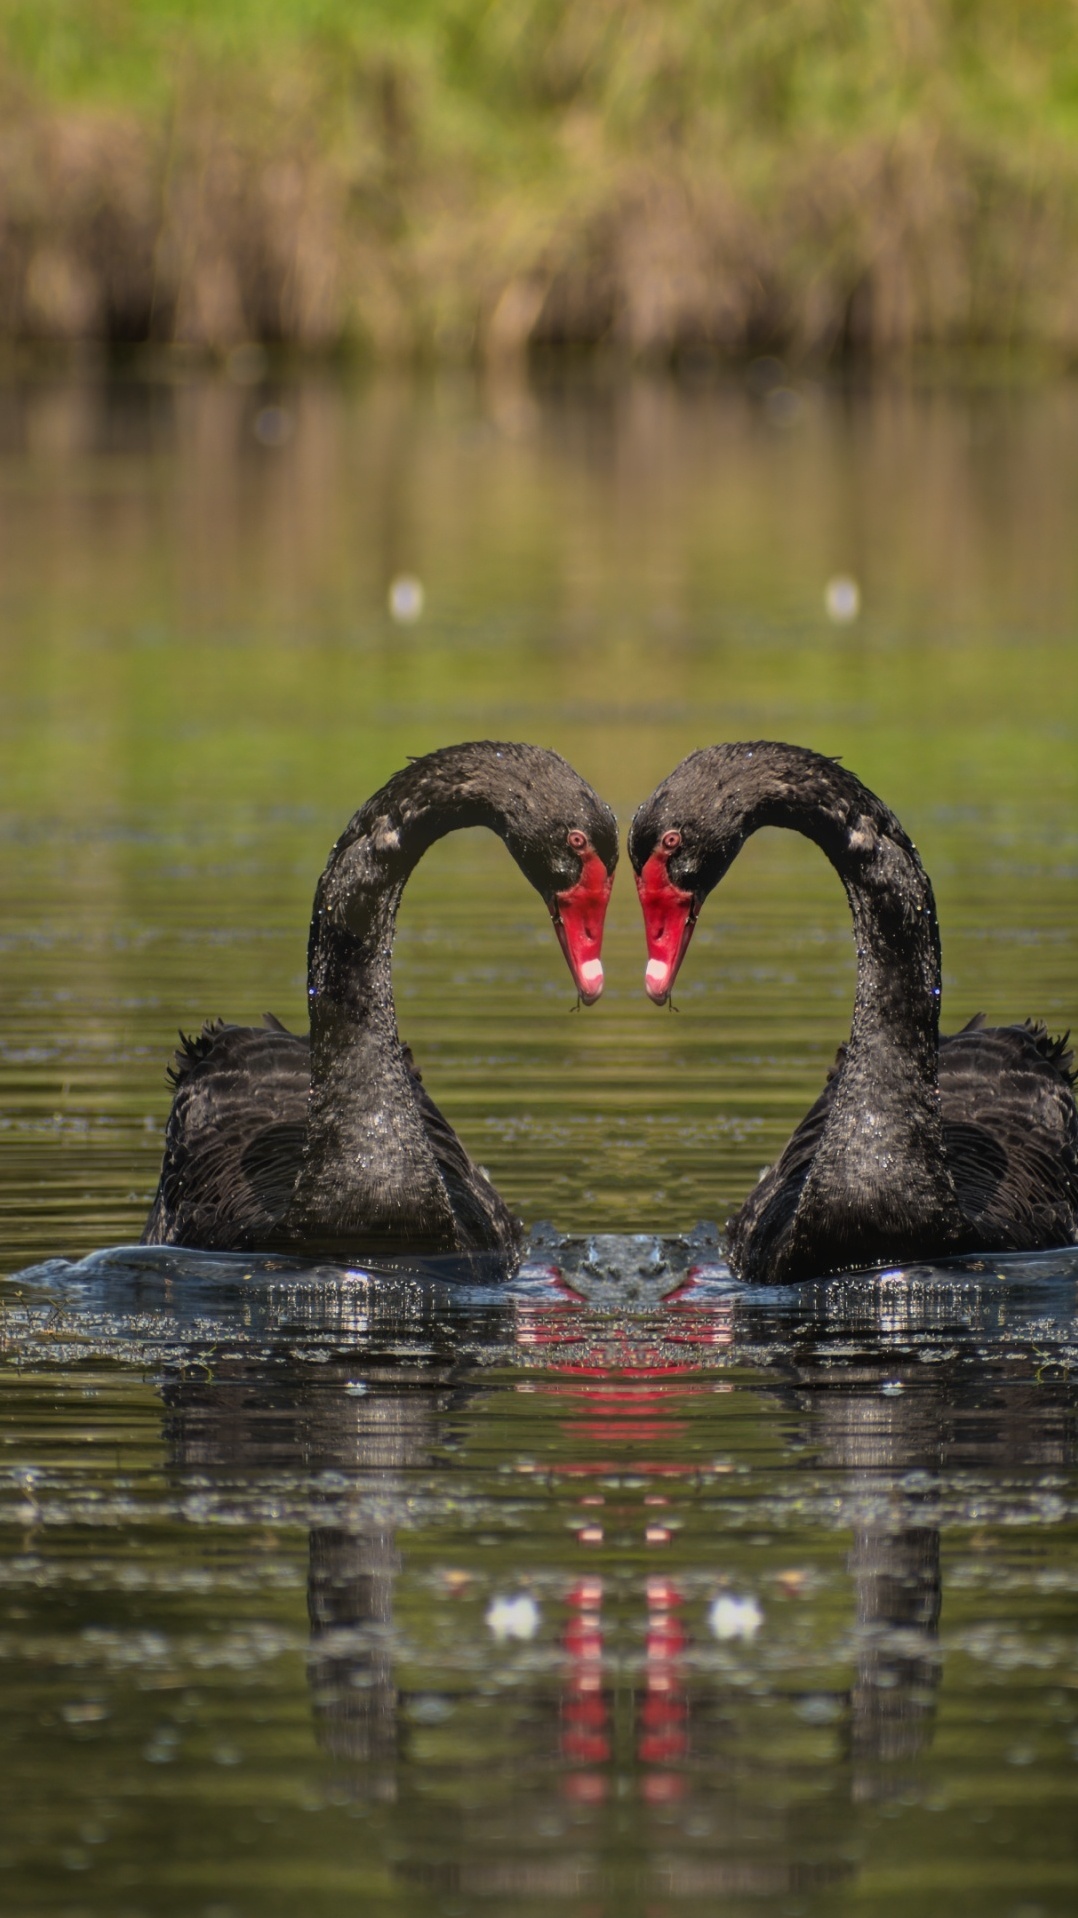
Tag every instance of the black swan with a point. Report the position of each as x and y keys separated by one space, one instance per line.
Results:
x=918 y=1147
x=331 y=1146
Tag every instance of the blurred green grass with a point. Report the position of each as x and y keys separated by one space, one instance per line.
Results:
x=664 y=176
x=776 y=64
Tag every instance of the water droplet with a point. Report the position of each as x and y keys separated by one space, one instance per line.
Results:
x=516 y=1617
x=732 y=1617
x=406 y=599
x=842 y=597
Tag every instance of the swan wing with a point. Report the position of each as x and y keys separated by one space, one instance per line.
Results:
x=234 y=1137
x=1011 y=1133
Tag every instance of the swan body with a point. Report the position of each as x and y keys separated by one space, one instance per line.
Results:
x=329 y=1144
x=919 y=1147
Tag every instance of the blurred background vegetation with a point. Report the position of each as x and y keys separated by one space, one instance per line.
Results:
x=822 y=178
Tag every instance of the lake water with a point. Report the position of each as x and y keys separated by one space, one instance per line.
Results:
x=326 y=1594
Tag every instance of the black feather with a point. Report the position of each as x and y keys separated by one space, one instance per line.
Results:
x=330 y=1144
x=918 y=1147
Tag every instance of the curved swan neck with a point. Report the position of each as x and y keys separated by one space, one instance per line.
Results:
x=880 y=1157
x=366 y=1143
x=356 y=902
x=508 y=788
x=897 y=1001
x=367 y=1160
x=889 y=892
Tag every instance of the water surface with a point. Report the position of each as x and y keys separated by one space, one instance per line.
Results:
x=323 y=1592
x=200 y=681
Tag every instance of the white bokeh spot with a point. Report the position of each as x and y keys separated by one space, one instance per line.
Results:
x=516 y=1617
x=732 y=1617
x=842 y=597
x=406 y=599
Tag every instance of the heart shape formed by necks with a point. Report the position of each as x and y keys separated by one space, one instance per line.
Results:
x=669 y=918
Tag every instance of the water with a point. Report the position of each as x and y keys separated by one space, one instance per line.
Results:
x=323 y=1592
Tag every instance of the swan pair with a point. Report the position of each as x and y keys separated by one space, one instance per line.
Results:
x=918 y=1147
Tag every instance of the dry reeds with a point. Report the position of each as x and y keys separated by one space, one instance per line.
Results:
x=702 y=175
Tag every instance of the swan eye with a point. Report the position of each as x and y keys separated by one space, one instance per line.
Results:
x=577 y=840
x=671 y=841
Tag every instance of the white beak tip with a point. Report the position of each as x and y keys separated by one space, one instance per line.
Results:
x=591 y=975
x=657 y=978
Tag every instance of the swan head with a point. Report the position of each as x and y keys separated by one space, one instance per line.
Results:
x=565 y=840
x=681 y=842
x=670 y=912
x=579 y=911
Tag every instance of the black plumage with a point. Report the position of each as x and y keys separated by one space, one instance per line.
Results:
x=919 y=1147
x=329 y=1144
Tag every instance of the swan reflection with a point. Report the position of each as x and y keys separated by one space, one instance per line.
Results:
x=732 y=1650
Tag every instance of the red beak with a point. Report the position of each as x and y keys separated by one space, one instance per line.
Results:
x=578 y=916
x=669 y=918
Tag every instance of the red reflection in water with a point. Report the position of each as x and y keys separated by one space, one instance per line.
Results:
x=664 y=1713
x=661 y=1710
x=624 y=1384
x=585 y=1708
